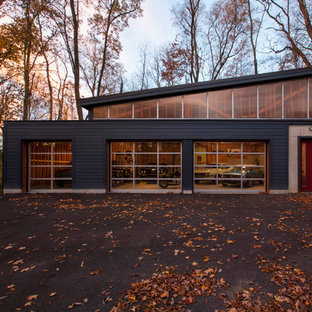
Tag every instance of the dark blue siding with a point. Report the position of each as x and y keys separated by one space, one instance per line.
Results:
x=187 y=165
x=90 y=144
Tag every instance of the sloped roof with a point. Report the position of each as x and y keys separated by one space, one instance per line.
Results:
x=195 y=87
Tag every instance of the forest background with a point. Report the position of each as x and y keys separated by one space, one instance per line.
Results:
x=53 y=52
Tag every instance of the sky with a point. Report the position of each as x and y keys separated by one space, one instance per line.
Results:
x=154 y=27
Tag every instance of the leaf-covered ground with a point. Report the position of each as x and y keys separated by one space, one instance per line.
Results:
x=156 y=252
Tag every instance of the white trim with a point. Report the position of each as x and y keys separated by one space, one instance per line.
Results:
x=187 y=192
x=12 y=191
x=151 y=191
x=95 y=191
x=273 y=192
x=216 y=191
x=295 y=132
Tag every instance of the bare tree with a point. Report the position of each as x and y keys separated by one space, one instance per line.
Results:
x=11 y=107
x=111 y=18
x=227 y=22
x=68 y=20
x=292 y=24
x=156 y=67
x=187 y=18
x=255 y=25
x=92 y=63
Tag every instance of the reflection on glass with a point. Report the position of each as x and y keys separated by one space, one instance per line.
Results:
x=170 y=159
x=205 y=147
x=170 y=107
x=146 y=159
x=254 y=160
x=295 y=98
x=123 y=173
x=270 y=100
x=122 y=147
x=167 y=147
x=145 y=185
x=195 y=106
x=145 y=109
x=220 y=104
x=100 y=112
x=245 y=102
x=120 y=111
x=253 y=147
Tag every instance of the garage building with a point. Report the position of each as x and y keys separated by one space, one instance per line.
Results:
x=250 y=134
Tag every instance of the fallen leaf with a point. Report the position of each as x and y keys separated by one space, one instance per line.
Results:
x=32 y=297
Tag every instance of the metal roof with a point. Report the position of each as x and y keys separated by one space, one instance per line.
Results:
x=195 y=87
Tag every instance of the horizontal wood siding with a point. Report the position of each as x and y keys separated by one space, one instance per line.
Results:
x=90 y=137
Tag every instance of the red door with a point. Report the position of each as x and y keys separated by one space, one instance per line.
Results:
x=306 y=166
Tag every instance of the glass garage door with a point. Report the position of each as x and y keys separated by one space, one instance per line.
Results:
x=145 y=166
x=50 y=166
x=229 y=166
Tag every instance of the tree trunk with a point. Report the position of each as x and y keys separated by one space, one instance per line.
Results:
x=49 y=85
x=76 y=63
x=27 y=95
x=253 y=46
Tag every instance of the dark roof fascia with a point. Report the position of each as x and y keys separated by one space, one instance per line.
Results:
x=287 y=120
x=196 y=87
